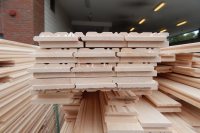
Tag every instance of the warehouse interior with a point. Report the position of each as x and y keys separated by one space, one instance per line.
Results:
x=121 y=16
x=99 y=66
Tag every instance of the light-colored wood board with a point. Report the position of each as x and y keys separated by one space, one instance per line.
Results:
x=89 y=117
x=169 y=109
x=133 y=67
x=137 y=74
x=50 y=68
x=106 y=44
x=96 y=52
x=98 y=60
x=186 y=90
x=53 y=83
x=60 y=44
x=160 y=99
x=54 y=53
x=149 y=116
x=4 y=70
x=163 y=69
x=147 y=44
x=146 y=36
x=140 y=59
x=191 y=81
x=56 y=60
x=184 y=48
x=93 y=68
x=179 y=125
x=180 y=96
x=138 y=52
x=104 y=36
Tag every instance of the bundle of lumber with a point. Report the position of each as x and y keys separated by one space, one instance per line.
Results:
x=17 y=113
x=183 y=82
x=106 y=112
x=97 y=61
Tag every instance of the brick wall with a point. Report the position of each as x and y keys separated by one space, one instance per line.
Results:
x=29 y=19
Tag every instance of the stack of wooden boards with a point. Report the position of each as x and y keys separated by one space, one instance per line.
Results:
x=119 y=113
x=184 y=82
x=114 y=109
x=17 y=113
x=110 y=112
x=97 y=61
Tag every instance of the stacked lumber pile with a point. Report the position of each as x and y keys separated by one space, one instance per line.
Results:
x=17 y=113
x=98 y=78
x=96 y=61
x=184 y=81
x=105 y=112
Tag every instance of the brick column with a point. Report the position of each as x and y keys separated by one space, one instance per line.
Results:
x=28 y=21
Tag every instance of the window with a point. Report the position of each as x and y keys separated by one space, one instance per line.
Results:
x=1 y=35
x=184 y=37
x=53 y=5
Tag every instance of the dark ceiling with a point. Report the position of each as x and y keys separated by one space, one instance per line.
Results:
x=121 y=15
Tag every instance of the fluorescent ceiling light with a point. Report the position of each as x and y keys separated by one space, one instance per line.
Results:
x=163 y=30
x=142 y=21
x=159 y=6
x=132 y=29
x=181 y=23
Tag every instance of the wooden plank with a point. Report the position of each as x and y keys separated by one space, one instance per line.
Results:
x=53 y=83
x=89 y=117
x=4 y=70
x=179 y=125
x=191 y=81
x=133 y=67
x=180 y=96
x=185 y=90
x=194 y=72
x=50 y=68
x=39 y=99
x=104 y=36
x=98 y=60
x=149 y=116
x=167 y=57
x=146 y=36
x=135 y=82
x=138 y=52
x=137 y=74
x=96 y=52
x=184 y=48
x=56 y=60
x=95 y=83
x=160 y=99
x=163 y=69
x=140 y=59
x=53 y=53
x=147 y=44
x=188 y=56
x=93 y=68
x=106 y=44
x=58 y=36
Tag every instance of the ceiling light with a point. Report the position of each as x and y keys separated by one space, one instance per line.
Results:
x=181 y=23
x=159 y=6
x=132 y=29
x=142 y=21
x=163 y=30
